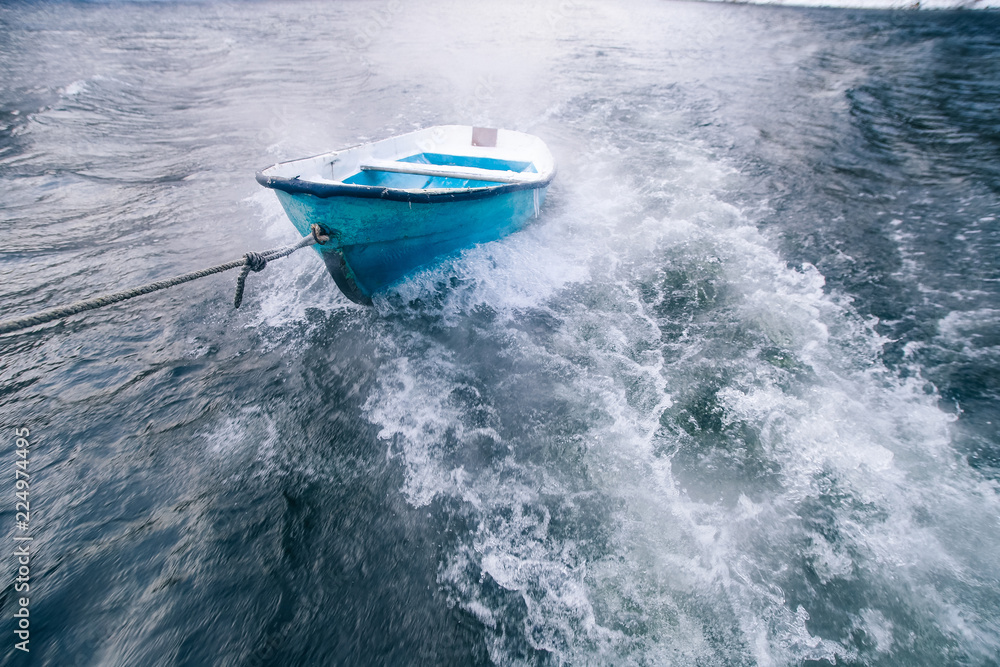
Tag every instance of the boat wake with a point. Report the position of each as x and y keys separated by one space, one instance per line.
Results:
x=651 y=441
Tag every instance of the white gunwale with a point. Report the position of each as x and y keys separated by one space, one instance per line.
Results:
x=468 y=173
x=337 y=166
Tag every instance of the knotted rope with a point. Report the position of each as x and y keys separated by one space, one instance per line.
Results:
x=251 y=261
x=254 y=262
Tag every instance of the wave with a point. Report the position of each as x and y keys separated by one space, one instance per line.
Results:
x=877 y=4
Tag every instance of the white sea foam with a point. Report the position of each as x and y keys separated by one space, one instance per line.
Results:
x=251 y=430
x=972 y=331
x=675 y=565
x=75 y=88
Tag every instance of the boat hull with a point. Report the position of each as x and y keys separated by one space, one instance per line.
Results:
x=375 y=242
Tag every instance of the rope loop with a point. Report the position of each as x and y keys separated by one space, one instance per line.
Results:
x=255 y=261
x=252 y=261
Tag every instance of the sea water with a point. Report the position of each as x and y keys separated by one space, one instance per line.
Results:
x=731 y=400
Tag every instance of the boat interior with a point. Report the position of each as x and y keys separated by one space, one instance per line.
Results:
x=443 y=157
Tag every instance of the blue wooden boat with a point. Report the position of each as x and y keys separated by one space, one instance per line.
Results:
x=398 y=204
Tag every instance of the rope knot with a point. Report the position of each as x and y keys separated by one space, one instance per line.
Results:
x=255 y=261
x=252 y=261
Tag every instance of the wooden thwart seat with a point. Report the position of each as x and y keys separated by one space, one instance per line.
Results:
x=447 y=171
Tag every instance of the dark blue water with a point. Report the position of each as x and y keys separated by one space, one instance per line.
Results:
x=732 y=400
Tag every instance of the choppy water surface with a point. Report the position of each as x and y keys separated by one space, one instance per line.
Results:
x=731 y=401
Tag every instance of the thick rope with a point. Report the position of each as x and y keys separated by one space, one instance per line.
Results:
x=248 y=261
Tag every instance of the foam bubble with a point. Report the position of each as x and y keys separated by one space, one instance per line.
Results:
x=250 y=431
x=75 y=88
